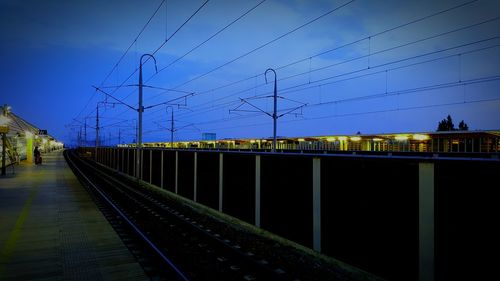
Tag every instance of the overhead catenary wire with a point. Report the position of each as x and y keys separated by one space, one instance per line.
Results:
x=115 y=66
x=160 y=47
x=363 y=113
x=385 y=94
x=349 y=74
x=208 y=39
x=156 y=50
x=290 y=90
x=133 y=42
x=350 y=44
x=401 y=60
x=333 y=49
x=379 y=95
x=374 y=67
x=345 y=61
x=196 y=47
x=284 y=91
x=266 y=44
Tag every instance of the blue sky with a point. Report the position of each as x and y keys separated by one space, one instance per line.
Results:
x=404 y=66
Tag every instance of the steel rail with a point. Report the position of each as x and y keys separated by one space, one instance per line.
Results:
x=179 y=273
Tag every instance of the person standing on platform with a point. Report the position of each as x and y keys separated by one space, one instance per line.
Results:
x=38 y=157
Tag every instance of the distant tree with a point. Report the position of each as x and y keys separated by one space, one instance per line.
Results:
x=446 y=124
x=463 y=126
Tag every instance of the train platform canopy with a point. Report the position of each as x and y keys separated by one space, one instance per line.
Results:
x=21 y=137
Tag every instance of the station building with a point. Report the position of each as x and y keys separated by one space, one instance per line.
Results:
x=19 y=138
x=484 y=141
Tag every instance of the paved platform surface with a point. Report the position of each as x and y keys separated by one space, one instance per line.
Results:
x=50 y=229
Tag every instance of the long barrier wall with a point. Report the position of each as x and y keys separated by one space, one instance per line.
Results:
x=402 y=218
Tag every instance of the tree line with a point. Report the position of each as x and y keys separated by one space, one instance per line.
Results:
x=447 y=125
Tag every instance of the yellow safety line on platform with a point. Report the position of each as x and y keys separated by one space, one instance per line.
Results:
x=10 y=244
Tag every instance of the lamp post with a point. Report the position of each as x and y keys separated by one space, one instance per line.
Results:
x=140 y=110
x=275 y=115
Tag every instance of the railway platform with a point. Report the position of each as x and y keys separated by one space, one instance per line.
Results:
x=50 y=229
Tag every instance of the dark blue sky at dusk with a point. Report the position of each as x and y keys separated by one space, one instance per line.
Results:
x=368 y=66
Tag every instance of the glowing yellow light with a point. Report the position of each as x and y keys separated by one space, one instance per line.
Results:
x=355 y=138
x=330 y=139
x=301 y=139
x=401 y=138
x=420 y=137
x=342 y=138
x=263 y=140
x=281 y=141
x=377 y=139
x=252 y=141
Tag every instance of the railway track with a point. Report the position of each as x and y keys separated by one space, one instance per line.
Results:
x=170 y=244
x=173 y=240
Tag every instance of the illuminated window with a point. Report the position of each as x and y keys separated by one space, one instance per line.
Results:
x=420 y=137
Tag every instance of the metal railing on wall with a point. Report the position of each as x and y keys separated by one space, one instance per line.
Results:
x=266 y=189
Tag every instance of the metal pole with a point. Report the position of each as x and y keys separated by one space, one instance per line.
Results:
x=79 y=139
x=139 y=131
x=172 y=130
x=171 y=127
x=4 y=139
x=96 y=130
x=275 y=115
x=85 y=133
x=140 y=110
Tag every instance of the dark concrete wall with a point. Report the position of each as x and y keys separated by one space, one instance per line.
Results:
x=369 y=214
x=369 y=205
x=208 y=179
x=239 y=186
x=467 y=208
x=169 y=170
x=120 y=159
x=185 y=181
x=146 y=165
x=156 y=173
x=131 y=161
x=286 y=196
